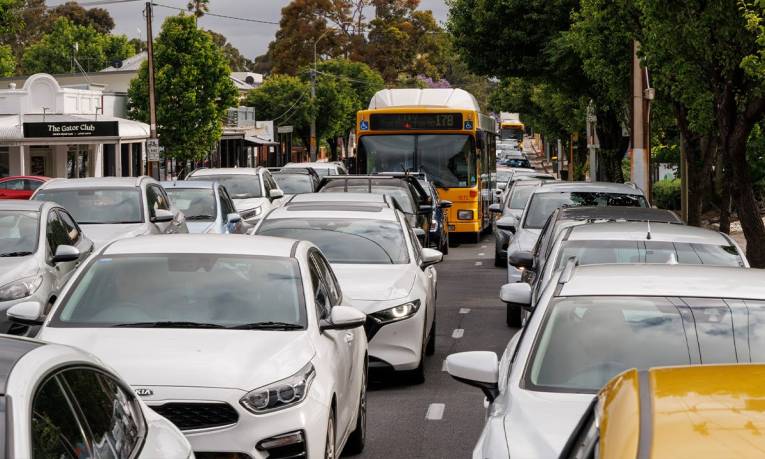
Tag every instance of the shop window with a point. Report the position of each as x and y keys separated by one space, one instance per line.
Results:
x=125 y=159
x=5 y=165
x=77 y=161
x=110 y=160
x=137 y=160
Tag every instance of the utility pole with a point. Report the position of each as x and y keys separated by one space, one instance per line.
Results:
x=642 y=94
x=314 y=71
x=592 y=140
x=152 y=145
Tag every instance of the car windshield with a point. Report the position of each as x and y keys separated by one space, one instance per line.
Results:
x=600 y=252
x=239 y=186
x=519 y=196
x=585 y=341
x=294 y=183
x=19 y=232
x=97 y=206
x=543 y=204
x=401 y=195
x=181 y=290
x=344 y=240
x=447 y=159
x=197 y=204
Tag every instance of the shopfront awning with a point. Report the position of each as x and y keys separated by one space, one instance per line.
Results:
x=70 y=129
x=259 y=141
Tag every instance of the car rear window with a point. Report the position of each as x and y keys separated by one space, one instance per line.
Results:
x=593 y=252
x=543 y=204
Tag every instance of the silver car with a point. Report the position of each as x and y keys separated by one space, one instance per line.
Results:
x=110 y=208
x=207 y=207
x=40 y=247
x=592 y=323
x=510 y=211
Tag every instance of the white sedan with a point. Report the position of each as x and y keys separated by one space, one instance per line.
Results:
x=40 y=386
x=243 y=342
x=381 y=266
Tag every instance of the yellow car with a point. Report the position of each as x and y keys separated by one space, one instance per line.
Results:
x=706 y=411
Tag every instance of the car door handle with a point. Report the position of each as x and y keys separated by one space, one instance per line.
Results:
x=348 y=338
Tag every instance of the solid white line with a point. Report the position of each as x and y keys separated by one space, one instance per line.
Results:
x=443 y=366
x=478 y=263
x=435 y=412
x=464 y=310
x=483 y=246
x=458 y=332
x=480 y=254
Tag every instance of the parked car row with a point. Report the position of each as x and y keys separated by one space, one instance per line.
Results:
x=251 y=339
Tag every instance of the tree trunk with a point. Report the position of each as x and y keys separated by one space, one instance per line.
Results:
x=725 y=206
x=332 y=141
x=699 y=156
x=613 y=146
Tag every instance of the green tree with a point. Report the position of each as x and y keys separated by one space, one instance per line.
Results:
x=236 y=61
x=286 y=100
x=193 y=89
x=53 y=53
x=9 y=24
x=99 y=18
x=198 y=7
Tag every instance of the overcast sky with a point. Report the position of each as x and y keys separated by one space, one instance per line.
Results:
x=251 y=38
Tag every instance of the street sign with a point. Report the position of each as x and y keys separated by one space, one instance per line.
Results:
x=71 y=129
x=152 y=150
x=285 y=129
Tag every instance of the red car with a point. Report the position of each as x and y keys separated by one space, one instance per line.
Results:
x=21 y=187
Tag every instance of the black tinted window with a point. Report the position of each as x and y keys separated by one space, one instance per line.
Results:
x=55 y=430
x=110 y=413
x=57 y=232
x=543 y=204
x=239 y=186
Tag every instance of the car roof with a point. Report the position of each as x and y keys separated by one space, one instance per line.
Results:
x=351 y=198
x=334 y=211
x=592 y=187
x=701 y=281
x=233 y=244
x=685 y=410
x=618 y=213
x=201 y=184
x=294 y=171
x=225 y=171
x=94 y=182
x=21 y=205
x=12 y=349
x=315 y=165
x=639 y=231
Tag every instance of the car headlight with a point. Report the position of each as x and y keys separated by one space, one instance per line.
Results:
x=281 y=394
x=252 y=213
x=465 y=214
x=396 y=313
x=21 y=288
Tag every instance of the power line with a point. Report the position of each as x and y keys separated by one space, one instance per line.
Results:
x=258 y=21
x=302 y=96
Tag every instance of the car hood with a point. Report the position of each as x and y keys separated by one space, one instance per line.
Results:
x=14 y=268
x=247 y=204
x=540 y=423
x=101 y=234
x=375 y=282
x=231 y=359
x=199 y=227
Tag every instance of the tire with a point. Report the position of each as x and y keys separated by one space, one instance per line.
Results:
x=430 y=348
x=330 y=451
x=358 y=437
x=475 y=238
x=513 y=315
x=417 y=376
x=499 y=260
x=445 y=244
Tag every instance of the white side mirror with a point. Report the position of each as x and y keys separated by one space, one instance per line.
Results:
x=28 y=313
x=162 y=216
x=344 y=318
x=66 y=253
x=477 y=368
x=516 y=293
x=276 y=193
x=431 y=256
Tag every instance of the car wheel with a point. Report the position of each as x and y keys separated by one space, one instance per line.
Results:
x=358 y=438
x=499 y=262
x=329 y=446
x=445 y=243
x=513 y=315
x=430 y=348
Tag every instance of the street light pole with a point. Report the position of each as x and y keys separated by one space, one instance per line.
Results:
x=152 y=143
x=314 y=142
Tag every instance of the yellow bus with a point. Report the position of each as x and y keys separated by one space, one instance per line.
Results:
x=512 y=130
x=442 y=133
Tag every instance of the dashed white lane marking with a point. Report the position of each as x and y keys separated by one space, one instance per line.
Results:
x=435 y=412
x=483 y=246
x=458 y=332
x=464 y=310
x=478 y=263
x=480 y=254
x=443 y=366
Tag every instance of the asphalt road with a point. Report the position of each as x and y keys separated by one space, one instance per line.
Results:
x=400 y=424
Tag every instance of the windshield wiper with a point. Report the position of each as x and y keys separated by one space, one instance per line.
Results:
x=200 y=217
x=16 y=254
x=169 y=324
x=268 y=326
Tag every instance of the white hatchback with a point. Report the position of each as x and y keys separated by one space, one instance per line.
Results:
x=242 y=342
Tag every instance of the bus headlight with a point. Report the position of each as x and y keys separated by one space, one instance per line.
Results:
x=464 y=214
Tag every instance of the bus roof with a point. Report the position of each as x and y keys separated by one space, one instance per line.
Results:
x=428 y=97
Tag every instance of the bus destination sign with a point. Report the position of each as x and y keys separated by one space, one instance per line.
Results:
x=416 y=121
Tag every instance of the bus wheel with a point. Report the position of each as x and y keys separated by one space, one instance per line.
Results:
x=475 y=238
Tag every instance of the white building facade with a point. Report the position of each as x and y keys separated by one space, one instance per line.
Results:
x=68 y=131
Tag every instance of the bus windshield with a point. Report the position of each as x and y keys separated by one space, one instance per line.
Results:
x=448 y=159
x=511 y=132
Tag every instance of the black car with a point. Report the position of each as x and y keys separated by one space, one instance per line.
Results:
x=409 y=194
x=297 y=180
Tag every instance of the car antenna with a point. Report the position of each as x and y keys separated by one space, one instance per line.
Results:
x=648 y=236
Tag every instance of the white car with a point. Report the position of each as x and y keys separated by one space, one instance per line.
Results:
x=243 y=342
x=594 y=322
x=322 y=168
x=380 y=265
x=252 y=189
x=59 y=402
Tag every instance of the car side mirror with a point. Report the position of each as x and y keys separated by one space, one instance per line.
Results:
x=343 y=318
x=275 y=193
x=516 y=293
x=495 y=208
x=425 y=209
x=445 y=204
x=477 y=368
x=507 y=224
x=420 y=233
x=162 y=216
x=27 y=313
x=233 y=218
x=521 y=259
x=66 y=253
x=431 y=257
